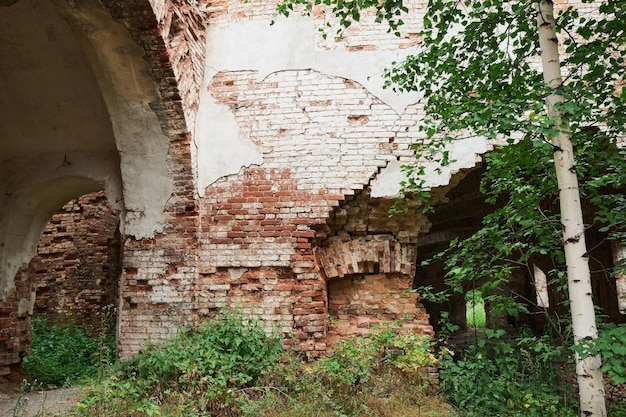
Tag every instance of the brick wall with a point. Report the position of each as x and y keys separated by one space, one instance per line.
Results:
x=273 y=236
x=77 y=267
x=15 y=327
x=73 y=276
x=159 y=274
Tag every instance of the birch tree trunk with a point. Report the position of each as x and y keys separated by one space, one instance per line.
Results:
x=590 y=382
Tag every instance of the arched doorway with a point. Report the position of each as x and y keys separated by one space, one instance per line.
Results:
x=76 y=117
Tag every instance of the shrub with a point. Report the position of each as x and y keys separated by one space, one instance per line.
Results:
x=611 y=345
x=199 y=372
x=379 y=375
x=66 y=353
x=498 y=377
x=231 y=367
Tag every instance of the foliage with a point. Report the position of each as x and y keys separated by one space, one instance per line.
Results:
x=475 y=309
x=200 y=372
x=230 y=367
x=479 y=71
x=67 y=353
x=611 y=344
x=507 y=378
x=382 y=375
x=525 y=227
x=350 y=11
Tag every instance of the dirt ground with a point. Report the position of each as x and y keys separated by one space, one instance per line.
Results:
x=56 y=402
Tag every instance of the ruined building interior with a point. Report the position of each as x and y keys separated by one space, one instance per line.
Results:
x=169 y=158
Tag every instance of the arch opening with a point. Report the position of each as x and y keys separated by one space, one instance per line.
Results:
x=73 y=277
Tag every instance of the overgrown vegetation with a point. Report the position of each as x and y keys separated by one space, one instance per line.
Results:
x=66 y=353
x=205 y=371
x=230 y=366
x=475 y=313
x=382 y=375
x=521 y=377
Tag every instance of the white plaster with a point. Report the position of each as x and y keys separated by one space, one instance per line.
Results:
x=462 y=154
x=291 y=44
x=26 y=305
x=541 y=287
x=222 y=148
x=127 y=89
x=387 y=183
x=255 y=45
x=619 y=257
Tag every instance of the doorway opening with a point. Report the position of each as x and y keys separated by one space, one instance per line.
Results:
x=73 y=280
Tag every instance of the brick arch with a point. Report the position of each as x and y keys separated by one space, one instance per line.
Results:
x=366 y=255
x=37 y=206
x=149 y=56
x=368 y=261
x=97 y=104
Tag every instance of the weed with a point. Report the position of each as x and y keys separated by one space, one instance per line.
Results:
x=200 y=372
x=230 y=367
x=498 y=377
x=65 y=353
x=380 y=375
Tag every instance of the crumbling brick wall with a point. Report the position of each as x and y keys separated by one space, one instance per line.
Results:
x=74 y=275
x=158 y=274
x=15 y=327
x=77 y=267
x=326 y=138
x=272 y=233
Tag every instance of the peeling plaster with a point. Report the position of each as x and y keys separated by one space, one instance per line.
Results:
x=289 y=44
x=224 y=149
x=387 y=183
x=131 y=96
x=462 y=155
x=26 y=305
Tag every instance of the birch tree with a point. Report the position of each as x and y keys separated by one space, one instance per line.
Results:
x=491 y=69
x=590 y=381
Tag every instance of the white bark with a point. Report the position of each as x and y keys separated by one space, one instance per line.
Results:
x=541 y=287
x=590 y=382
x=619 y=257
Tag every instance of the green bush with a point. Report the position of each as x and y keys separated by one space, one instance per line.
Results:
x=199 y=372
x=502 y=378
x=230 y=367
x=66 y=353
x=379 y=375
